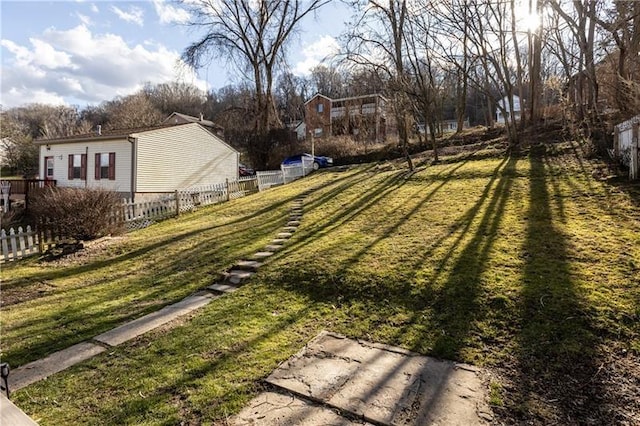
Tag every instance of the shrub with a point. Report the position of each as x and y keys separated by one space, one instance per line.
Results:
x=79 y=214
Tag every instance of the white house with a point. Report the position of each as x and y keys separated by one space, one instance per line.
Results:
x=504 y=104
x=627 y=145
x=139 y=162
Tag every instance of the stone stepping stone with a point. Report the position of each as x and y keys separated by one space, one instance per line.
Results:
x=262 y=254
x=223 y=288
x=290 y=228
x=284 y=235
x=295 y=217
x=279 y=241
x=248 y=265
x=52 y=364
x=293 y=223
x=236 y=276
x=153 y=320
x=273 y=247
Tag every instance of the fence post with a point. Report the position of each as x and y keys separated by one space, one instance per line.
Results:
x=177 y=203
x=227 y=186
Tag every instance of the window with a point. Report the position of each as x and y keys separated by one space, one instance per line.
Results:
x=318 y=131
x=48 y=161
x=320 y=107
x=77 y=166
x=105 y=166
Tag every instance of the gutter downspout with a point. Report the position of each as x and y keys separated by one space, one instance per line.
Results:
x=134 y=147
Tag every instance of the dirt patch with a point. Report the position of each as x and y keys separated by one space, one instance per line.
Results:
x=89 y=251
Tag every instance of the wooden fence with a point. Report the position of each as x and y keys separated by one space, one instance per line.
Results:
x=140 y=214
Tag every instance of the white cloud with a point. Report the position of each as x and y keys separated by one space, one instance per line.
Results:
x=134 y=15
x=77 y=65
x=315 y=53
x=94 y=8
x=169 y=14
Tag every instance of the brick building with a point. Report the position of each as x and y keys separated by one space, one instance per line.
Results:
x=363 y=117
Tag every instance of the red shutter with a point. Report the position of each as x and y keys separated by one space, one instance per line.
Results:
x=112 y=166
x=70 y=174
x=83 y=166
x=97 y=167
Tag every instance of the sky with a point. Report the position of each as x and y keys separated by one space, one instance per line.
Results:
x=83 y=52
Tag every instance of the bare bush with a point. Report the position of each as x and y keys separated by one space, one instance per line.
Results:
x=79 y=214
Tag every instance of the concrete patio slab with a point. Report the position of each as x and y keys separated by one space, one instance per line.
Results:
x=11 y=415
x=385 y=385
x=153 y=320
x=54 y=363
x=271 y=408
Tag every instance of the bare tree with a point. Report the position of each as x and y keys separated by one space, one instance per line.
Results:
x=176 y=97
x=377 y=41
x=253 y=35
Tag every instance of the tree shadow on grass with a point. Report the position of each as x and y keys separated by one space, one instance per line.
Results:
x=557 y=356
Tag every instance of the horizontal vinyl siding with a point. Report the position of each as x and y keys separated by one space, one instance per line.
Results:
x=61 y=152
x=182 y=156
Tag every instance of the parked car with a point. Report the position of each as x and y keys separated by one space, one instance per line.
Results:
x=318 y=161
x=245 y=171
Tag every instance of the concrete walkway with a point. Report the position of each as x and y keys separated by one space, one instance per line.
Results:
x=346 y=382
x=230 y=282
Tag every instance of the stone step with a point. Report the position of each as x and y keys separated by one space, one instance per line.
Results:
x=293 y=223
x=223 y=288
x=290 y=228
x=279 y=241
x=284 y=235
x=248 y=265
x=262 y=254
x=236 y=276
x=52 y=364
x=153 y=320
x=295 y=217
x=273 y=247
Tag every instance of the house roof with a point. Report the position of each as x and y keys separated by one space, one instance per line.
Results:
x=318 y=95
x=192 y=119
x=104 y=135
x=121 y=134
x=350 y=98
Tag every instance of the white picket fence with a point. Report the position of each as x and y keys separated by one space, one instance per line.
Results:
x=140 y=214
x=17 y=245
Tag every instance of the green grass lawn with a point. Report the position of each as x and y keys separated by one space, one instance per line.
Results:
x=525 y=264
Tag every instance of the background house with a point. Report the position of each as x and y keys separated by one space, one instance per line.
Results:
x=363 y=117
x=139 y=162
x=503 y=104
x=179 y=118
